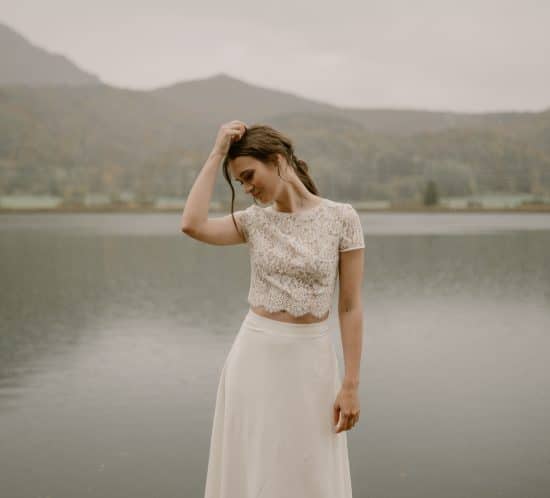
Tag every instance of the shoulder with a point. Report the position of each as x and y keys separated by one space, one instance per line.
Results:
x=351 y=230
x=245 y=217
x=349 y=212
x=247 y=212
x=342 y=210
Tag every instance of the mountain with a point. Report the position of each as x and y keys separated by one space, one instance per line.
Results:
x=67 y=139
x=95 y=138
x=22 y=63
x=222 y=98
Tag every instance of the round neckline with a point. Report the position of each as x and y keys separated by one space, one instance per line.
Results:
x=297 y=213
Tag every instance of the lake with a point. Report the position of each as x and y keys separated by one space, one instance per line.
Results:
x=114 y=329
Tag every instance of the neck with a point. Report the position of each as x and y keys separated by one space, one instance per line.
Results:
x=293 y=202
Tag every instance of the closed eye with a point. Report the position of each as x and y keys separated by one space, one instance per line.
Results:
x=246 y=177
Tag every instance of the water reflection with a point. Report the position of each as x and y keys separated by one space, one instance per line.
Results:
x=114 y=329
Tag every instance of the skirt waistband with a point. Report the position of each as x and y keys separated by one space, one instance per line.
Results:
x=259 y=323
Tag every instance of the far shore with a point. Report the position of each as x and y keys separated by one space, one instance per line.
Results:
x=534 y=208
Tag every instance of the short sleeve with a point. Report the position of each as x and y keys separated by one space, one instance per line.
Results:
x=352 y=232
x=244 y=220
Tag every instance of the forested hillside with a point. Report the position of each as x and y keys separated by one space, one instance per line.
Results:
x=69 y=140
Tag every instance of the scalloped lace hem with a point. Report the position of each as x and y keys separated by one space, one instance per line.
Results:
x=295 y=311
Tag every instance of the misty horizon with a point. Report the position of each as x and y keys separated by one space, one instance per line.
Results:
x=468 y=58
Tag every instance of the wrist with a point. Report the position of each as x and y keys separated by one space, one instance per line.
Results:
x=216 y=154
x=350 y=383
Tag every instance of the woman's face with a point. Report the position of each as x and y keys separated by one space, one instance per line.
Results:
x=257 y=179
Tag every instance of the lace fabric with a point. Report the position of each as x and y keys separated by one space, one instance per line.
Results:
x=294 y=256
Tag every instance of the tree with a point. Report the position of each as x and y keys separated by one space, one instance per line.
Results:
x=431 y=197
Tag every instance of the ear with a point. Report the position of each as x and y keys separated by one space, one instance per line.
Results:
x=277 y=162
x=282 y=162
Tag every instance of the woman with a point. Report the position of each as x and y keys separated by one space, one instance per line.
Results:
x=282 y=408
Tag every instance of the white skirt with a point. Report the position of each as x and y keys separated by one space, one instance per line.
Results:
x=272 y=433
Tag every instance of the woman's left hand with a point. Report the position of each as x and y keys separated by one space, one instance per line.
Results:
x=346 y=408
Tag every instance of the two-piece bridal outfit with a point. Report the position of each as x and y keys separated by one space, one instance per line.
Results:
x=272 y=432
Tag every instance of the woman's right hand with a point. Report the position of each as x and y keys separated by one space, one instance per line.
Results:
x=227 y=134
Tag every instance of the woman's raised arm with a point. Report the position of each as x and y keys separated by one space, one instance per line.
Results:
x=194 y=219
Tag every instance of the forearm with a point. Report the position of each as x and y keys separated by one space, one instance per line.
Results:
x=351 y=330
x=198 y=199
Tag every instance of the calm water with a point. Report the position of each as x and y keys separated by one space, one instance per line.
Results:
x=114 y=328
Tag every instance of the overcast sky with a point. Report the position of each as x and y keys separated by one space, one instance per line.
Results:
x=466 y=55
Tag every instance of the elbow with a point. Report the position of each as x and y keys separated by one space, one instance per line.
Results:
x=187 y=225
x=344 y=310
x=350 y=306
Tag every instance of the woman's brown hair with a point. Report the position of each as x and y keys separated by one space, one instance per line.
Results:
x=262 y=142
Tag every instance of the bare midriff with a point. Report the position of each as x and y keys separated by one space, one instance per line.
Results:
x=284 y=316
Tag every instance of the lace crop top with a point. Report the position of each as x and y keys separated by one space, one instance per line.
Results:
x=294 y=256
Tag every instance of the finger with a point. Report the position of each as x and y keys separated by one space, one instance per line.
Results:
x=337 y=421
x=233 y=126
x=335 y=414
x=235 y=134
x=343 y=424
x=348 y=421
x=238 y=125
x=239 y=132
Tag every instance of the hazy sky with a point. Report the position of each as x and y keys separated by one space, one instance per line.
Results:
x=466 y=55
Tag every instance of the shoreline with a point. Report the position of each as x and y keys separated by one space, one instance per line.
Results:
x=539 y=208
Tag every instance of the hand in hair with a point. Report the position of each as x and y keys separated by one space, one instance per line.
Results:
x=228 y=133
